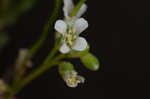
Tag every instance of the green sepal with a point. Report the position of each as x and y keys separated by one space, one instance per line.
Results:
x=77 y=54
x=64 y=67
x=90 y=61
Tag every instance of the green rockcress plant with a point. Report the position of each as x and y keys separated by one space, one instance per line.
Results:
x=68 y=44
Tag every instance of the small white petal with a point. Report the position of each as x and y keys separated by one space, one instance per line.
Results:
x=82 y=10
x=80 y=44
x=64 y=48
x=68 y=7
x=80 y=25
x=60 y=26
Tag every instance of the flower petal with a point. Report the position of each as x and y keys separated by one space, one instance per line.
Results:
x=80 y=44
x=68 y=7
x=60 y=26
x=64 y=48
x=82 y=10
x=80 y=25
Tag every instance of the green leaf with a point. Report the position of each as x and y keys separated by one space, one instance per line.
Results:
x=90 y=61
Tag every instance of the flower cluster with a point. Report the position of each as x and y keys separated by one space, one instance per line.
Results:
x=71 y=28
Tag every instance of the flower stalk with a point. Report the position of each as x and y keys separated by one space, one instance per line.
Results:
x=43 y=37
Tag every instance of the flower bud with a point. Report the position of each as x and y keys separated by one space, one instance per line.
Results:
x=90 y=61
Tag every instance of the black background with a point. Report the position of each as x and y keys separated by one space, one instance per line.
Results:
x=115 y=33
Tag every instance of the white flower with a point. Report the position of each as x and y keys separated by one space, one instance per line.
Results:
x=72 y=79
x=71 y=28
x=69 y=6
x=70 y=33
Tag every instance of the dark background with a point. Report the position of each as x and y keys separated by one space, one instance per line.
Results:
x=117 y=35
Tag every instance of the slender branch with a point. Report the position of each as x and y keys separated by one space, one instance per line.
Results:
x=39 y=71
x=44 y=35
x=47 y=28
x=49 y=62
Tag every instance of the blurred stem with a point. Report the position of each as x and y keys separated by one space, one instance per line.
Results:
x=77 y=8
x=12 y=12
x=4 y=5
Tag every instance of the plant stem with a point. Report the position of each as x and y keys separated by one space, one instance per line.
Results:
x=39 y=71
x=47 y=28
x=48 y=63
x=37 y=46
x=44 y=35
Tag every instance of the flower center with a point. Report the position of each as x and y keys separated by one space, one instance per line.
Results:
x=73 y=79
x=70 y=37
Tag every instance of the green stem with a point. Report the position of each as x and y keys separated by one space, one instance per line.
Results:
x=49 y=62
x=37 y=45
x=47 y=28
x=39 y=71
x=44 y=35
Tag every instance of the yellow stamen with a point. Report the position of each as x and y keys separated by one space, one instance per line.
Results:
x=73 y=79
x=70 y=37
